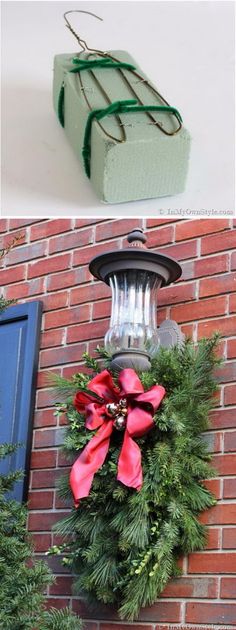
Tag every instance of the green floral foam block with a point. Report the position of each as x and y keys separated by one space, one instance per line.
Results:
x=130 y=157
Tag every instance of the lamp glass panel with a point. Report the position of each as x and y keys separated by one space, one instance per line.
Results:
x=133 y=316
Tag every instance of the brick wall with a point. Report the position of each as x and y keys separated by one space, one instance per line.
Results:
x=50 y=264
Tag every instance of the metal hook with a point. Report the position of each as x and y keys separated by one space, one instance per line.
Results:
x=81 y=42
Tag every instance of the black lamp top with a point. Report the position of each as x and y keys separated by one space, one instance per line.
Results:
x=137 y=235
x=135 y=256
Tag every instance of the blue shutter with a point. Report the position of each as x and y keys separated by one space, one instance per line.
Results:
x=19 y=348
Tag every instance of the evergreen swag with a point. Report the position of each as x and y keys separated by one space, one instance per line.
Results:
x=124 y=545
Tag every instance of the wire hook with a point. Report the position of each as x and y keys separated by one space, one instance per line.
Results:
x=81 y=42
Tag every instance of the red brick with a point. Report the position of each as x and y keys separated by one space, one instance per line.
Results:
x=63 y=420
x=9 y=239
x=14 y=224
x=69 y=370
x=231 y=349
x=54 y=301
x=43 y=521
x=199 y=587
x=212 y=562
x=162 y=314
x=225 y=464
x=205 y=267
x=187 y=330
x=90 y=293
x=220 y=514
x=233 y=261
x=101 y=309
x=83 y=256
x=156 y=238
x=156 y=222
x=46 y=478
x=68 y=279
x=63 y=503
x=41 y=542
x=223 y=418
x=44 y=418
x=229 y=489
x=124 y=626
x=229 y=538
x=115 y=228
x=27 y=252
x=48 y=228
x=230 y=441
x=25 y=289
x=218 y=242
x=167 y=611
x=46 y=398
x=3 y=225
x=216 y=398
x=226 y=326
x=71 y=354
x=67 y=316
x=214 y=486
x=12 y=275
x=193 y=228
x=65 y=459
x=57 y=602
x=213 y=538
x=180 y=251
x=219 y=284
x=44 y=438
x=49 y=265
x=43 y=459
x=209 y=612
x=232 y=303
x=43 y=377
x=62 y=586
x=40 y=500
x=80 y=223
x=199 y=310
x=230 y=395
x=226 y=373
x=176 y=293
x=228 y=588
x=73 y=240
x=52 y=338
x=83 y=332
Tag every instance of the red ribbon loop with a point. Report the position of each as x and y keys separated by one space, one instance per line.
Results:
x=141 y=407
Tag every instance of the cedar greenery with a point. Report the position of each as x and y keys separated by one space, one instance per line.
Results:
x=124 y=545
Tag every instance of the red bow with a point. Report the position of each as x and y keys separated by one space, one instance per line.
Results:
x=141 y=407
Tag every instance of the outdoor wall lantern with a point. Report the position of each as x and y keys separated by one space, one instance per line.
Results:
x=135 y=274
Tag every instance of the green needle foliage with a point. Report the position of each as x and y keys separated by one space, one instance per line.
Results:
x=124 y=545
x=22 y=580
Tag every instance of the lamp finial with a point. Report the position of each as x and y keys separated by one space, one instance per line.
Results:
x=136 y=238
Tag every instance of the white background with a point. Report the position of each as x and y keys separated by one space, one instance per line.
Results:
x=186 y=48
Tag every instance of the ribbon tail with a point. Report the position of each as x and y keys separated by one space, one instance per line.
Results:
x=90 y=460
x=129 y=464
